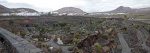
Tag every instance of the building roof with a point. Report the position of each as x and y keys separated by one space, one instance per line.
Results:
x=25 y=21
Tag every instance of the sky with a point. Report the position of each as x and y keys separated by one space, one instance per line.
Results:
x=85 y=5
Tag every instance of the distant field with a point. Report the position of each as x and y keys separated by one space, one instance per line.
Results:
x=138 y=15
x=146 y=21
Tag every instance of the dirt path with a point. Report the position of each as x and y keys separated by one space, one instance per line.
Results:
x=51 y=42
x=125 y=47
x=64 y=48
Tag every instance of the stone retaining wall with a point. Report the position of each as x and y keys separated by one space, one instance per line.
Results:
x=16 y=44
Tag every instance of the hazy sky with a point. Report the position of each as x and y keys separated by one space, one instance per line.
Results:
x=85 y=5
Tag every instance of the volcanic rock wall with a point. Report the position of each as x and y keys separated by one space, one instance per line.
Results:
x=16 y=44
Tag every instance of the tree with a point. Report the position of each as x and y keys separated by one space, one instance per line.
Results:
x=11 y=22
x=55 y=25
x=49 y=14
x=125 y=16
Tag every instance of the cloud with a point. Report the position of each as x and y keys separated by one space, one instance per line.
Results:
x=23 y=5
x=107 y=5
x=86 y=5
x=2 y=1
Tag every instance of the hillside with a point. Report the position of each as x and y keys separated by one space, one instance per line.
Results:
x=18 y=10
x=143 y=10
x=4 y=9
x=123 y=9
x=69 y=10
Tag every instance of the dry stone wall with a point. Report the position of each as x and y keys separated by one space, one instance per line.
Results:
x=16 y=44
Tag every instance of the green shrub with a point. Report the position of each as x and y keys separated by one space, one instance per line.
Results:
x=123 y=28
x=98 y=47
x=76 y=50
x=62 y=24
